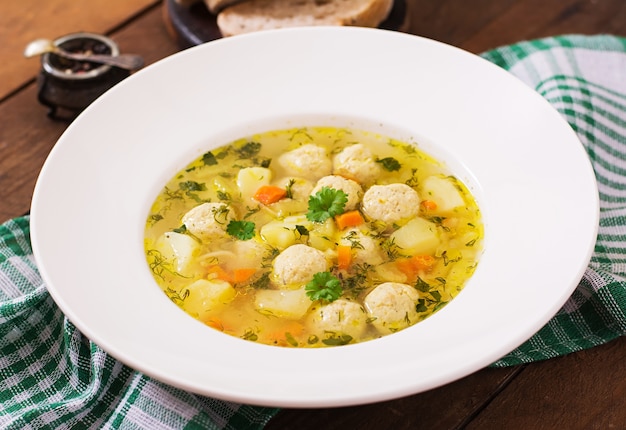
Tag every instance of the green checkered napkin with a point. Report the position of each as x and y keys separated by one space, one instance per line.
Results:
x=53 y=377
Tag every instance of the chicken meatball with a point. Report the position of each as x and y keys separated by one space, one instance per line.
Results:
x=308 y=161
x=390 y=203
x=208 y=220
x=339 y=317
x=297 y=264
x=391 y=306
x=352 y=189
x=357 y=162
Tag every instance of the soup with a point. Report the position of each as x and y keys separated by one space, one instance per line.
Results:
x=313 y=237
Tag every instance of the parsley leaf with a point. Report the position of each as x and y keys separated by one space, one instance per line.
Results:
x=242 y=230
x=389 y=163
x=324 y=286
x=326 y=203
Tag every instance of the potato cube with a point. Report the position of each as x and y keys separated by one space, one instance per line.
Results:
x=443 y=192
x=179 y=249
x=250 y=179
x=289 y=304
x=418 y=236
x=322 y=235
x=283 y=234
x=206 y=296
x=278 y=234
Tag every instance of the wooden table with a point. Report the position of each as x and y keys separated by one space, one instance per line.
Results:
x=585 y=390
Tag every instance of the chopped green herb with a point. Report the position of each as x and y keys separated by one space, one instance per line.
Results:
x=389 y=163
x=326 y=203
x=160 y=265
x=337 y=339
x=289 y=188
x=421 y=306
x=209 y=159
x=248 y=150
x=242 y=230
x=182 y=229
x=354 y=240
x=250 y=335
x=447 y=260
x=177 y=297
x=262 y=283
x=156 y=217
x=436 y=295
x=290 y=339
x=356 y=283
x=251 y=211
x=422 y=285
x=224 y=196
x=324 y=286
x=192 y=186
x=302 y=230
x=263 y=162
x=413 y=181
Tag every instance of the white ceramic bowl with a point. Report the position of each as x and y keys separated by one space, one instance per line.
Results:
x=524 y=164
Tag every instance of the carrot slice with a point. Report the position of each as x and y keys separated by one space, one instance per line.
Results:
x=349 y=219
x=344 y=257
x=280 y=337
x=268 y=194
x=413 y=265
x=242 y=275
x=215 y=323
x=429 y=205
x=219 y=273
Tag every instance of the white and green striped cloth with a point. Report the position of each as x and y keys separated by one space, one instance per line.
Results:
x=51 y=376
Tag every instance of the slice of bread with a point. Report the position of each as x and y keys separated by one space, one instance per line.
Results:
x=215 y=6
x=255 y=15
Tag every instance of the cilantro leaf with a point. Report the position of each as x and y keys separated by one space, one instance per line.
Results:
x=324 y=286
x=242 y=230
x=389 y=163
x=326 y=203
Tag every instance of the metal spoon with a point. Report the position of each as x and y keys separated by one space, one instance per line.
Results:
x=124 y=61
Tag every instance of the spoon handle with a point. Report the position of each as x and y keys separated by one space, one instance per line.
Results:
x=124 y=61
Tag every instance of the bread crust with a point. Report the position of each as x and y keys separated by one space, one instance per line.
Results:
x=215 y=6
x=255 y=15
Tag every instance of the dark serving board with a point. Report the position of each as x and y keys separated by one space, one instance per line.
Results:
x=194 y=25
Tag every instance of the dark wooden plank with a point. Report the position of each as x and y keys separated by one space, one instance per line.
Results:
x=25 y=20
x=453 y=21
x=532 y=19
x=27 y=134
x=486 y=24
x=585 y=390
x=448 y=407
x=26 y=137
